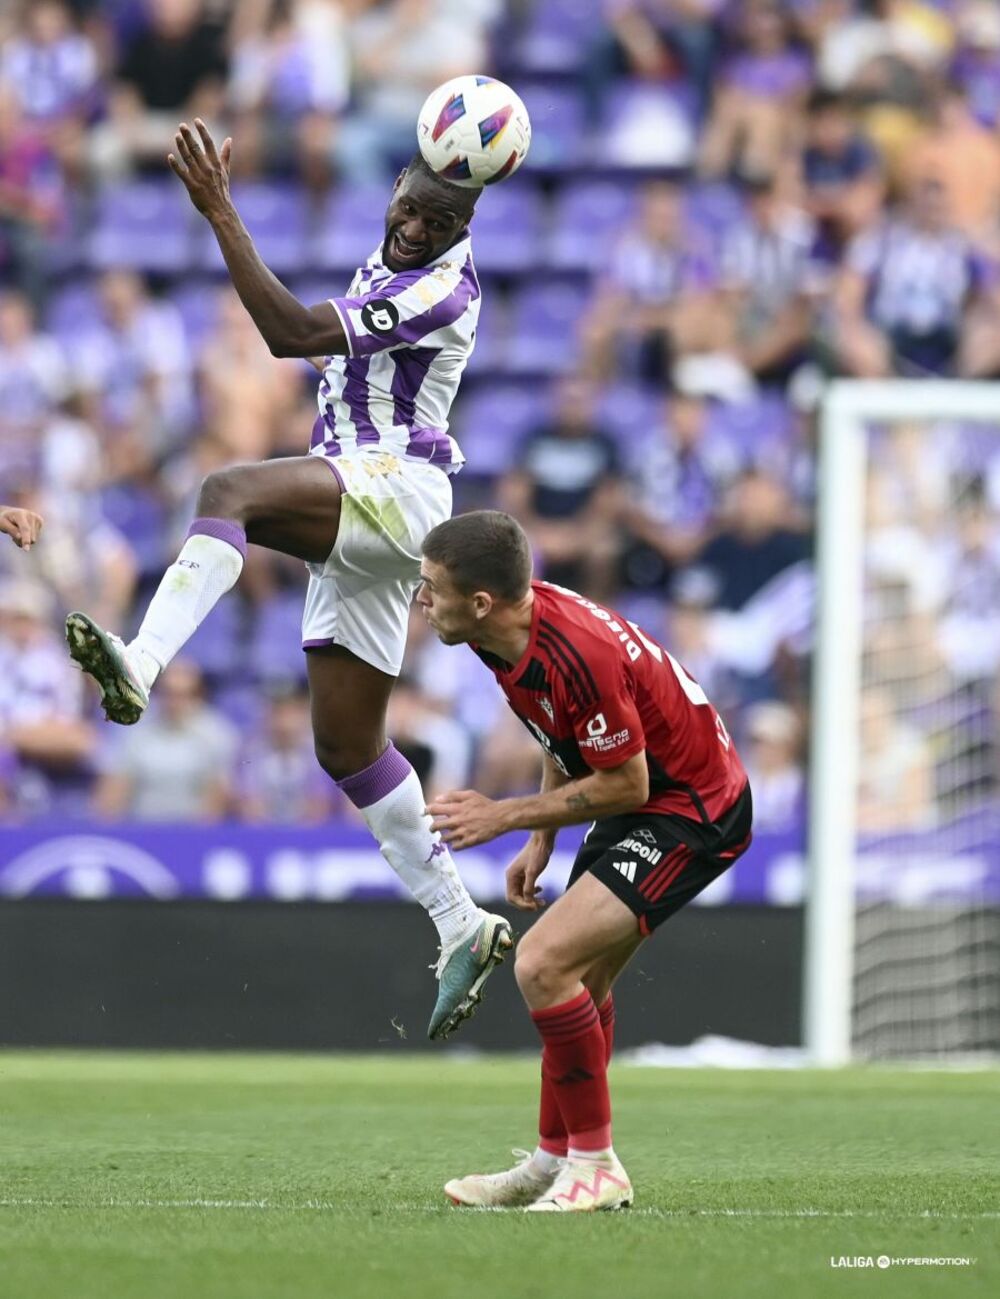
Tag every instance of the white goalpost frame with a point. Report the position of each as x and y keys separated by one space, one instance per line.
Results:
x=832 y=825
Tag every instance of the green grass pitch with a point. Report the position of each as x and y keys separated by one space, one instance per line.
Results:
x=247 y=1177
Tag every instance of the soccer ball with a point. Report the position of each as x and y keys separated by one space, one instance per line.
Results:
x=473 y=131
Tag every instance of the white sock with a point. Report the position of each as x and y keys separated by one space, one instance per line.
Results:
x=545 y=1162
x=210 y=561
x=389 y=797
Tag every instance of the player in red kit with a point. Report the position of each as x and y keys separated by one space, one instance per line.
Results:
x=632 y=745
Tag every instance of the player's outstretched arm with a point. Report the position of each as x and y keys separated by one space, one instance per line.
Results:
x=466 y=818
x=22 y=526
x=288 y=327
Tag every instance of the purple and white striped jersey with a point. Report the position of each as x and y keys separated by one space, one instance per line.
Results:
x=410 y=334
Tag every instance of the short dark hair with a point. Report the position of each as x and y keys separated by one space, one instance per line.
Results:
x=484 y=550
x=463 y=197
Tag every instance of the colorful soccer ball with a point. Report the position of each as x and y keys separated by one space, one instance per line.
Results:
x=473 y=131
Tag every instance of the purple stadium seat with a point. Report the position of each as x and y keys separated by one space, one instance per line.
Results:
x=544 y=332
x=145 y=225
x=241 y=702
x=489 y=353
x=490 y=421
x=277 y=216
x=754 y=429
x=629 y=412
x=649 y=125
x=714 y=208
x=351 y=227
x=276 y=640
x=197 y=301
x=557 y=126
x=555 y=38
x=140 y=516
x=508 y=228
x=73 y=310
x=217 y=645
x=588 y=217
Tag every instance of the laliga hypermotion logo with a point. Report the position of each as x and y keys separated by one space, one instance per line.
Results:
x=85 y=866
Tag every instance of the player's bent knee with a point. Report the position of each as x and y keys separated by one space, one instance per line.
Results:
x=536 y=971
x=341 y=758
x=224 y=494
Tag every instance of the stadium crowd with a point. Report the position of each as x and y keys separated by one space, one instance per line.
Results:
x=727 y=202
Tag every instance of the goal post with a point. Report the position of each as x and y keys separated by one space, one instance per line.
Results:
x=851 y=417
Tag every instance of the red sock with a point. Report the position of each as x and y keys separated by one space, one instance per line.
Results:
x=606 y=1012
x=574 y=1069
x=551 y=1128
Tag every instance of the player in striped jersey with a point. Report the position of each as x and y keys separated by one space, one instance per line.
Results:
x=633 y=745
x=355 y=509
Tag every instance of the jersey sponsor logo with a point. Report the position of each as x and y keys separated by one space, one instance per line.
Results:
x=605 y=743
x=597 y=726
x=646 y=835
x=546 y=705
x=380 y=316
x=644 y=850
x=626 y=868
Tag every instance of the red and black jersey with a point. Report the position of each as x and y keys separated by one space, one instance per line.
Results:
x=594 y=690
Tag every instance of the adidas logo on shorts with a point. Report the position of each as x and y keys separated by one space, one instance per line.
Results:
x=626 y=868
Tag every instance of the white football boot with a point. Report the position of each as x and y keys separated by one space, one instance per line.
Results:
x=104 y=656
x=586 y=1186
x=512 y=1189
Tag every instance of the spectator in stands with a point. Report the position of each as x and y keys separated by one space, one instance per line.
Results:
x=248 y=397
x=33 y=381
x=767 y=274
x=84 y=559
x=841 y=176
x=771 y=754
x=180 y=767
x=175 y=67
x=52 y=70
x=133 y=369
x=968 y=632
x=657 y=298
x=32 y=200
x=565 y=491
x=278 y=777
x=963 y=157
x=916 y=297
x=402 y=50
x=438 y=747
x=289 y=81
x=977 y=60
x=42 y=726
x=679 y=475
x=760 y=95
x=510 y=763
x=656 y=41
x=760 y=535
x=688 y=621
x=896 y=786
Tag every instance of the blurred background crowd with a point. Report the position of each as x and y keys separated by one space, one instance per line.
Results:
x=727 y=202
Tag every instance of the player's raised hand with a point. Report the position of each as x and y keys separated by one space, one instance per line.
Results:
x=523 y=872
x=22 y=526
x=203 y=169
x=464 y=818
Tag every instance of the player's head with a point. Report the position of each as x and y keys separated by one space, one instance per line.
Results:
x=425 y=216
x=475 y=566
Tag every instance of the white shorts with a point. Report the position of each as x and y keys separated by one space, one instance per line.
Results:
x=360 y=598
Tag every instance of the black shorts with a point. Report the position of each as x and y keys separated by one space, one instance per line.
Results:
x=656 y=864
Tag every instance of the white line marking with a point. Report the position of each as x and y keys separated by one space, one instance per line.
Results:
x=327 y=1206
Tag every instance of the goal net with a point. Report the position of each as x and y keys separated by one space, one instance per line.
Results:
x=903 y=908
